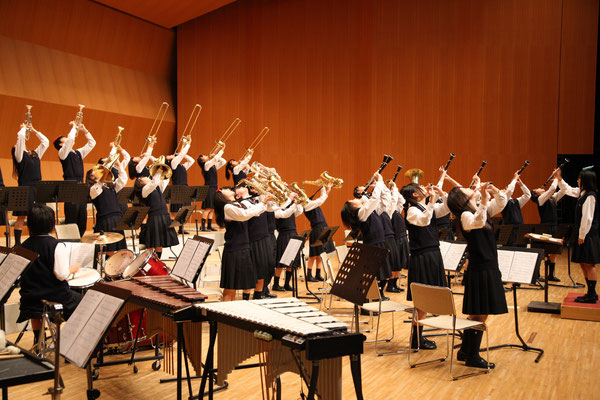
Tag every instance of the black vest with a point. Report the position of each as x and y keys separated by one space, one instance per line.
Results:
x=239 y=177
x=442 y=221
x=286 y=224
x=512 y=213
x=548 y=211
x=258 y=227
x=236 y=236
x=579 y=214
x=398 y=224
x=271 y=222
x=210 y=176
x=388 y=229
x=72 y=166
x=423 y=238
x=28 y=170
x=107 y=204
x=481 y=245
x=133 y=174
x=156 y=202
x=315 y=217
x=180 y=176
x=39 y=281
x=372 y=230
x=115 y=173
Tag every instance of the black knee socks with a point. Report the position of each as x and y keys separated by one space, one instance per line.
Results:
x=288 y=278
x=381 y=285
x=591 y=287
x=36 y=336
x=392 y=283
x=551 y=268
x=158 y=253
x=203 y=225
x=245 y=296
x=18 y=236
x=209 y=223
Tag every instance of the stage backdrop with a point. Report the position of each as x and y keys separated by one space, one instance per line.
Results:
x=342 y=83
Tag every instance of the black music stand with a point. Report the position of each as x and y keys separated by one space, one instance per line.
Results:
x=326 y=236
x=305 y=235
x=4 y=209
x=75 y=193
x=197 y=194
x=132 y=220
x=523 y=346
x=182 y=217
x=547 y=249
x=20 y=251
x=125 y=195
x=167 y=194
x=17 y=199
x=565 y=231
x=291 y=265
x=47 y=192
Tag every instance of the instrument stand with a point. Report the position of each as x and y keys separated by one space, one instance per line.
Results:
x=182 y=217
x=574 y=284
x=132 y=220
x=305 y=234
x=523 y=346
x=545 y=306
x=300 y=255
x=55 y=310
x=197 y=194
x=47 y=192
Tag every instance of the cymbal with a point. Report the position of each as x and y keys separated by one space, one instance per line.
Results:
x=101 y=238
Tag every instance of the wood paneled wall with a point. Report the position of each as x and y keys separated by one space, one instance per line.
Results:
x=342 y=83
x=60 y=54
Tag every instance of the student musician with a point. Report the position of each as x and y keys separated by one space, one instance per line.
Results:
x=546 y=201
x=72 y=165
x=443 y=223
x=157 y=234
x=180 y=164
x=237 y=270
x=209 y=166
x=425 y=263
x=314 y=214
x=273 y=239
x=586 y=248
x=401 y=235
x=511 y=214
x=46 y=277
x=26 y=169
x=484 y=292
x=238 y=169
x=138 y=165
x=285 y=221
x=385 y=212
x=106 y=202
x=361 y=213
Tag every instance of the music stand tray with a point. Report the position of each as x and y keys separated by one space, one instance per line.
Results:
x=325 y=236
x=132 y=220
x=182 y=217
x=198 y=193
x=73 y=192
x=47 y=191
x=125 y=195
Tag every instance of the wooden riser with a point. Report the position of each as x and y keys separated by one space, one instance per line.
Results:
x=572 y=310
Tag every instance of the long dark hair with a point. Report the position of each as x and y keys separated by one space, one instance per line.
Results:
x=458 y=202
x=137 y=188
x=219 y=206
x=587 y=181
x=407 y=192
x=200 y=162
x=350 y=216
x=229 y=169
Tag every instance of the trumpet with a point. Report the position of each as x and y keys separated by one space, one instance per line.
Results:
x=28 y=122
x=255 y=143
x=78 y=118
x=117 y=142
x=161 y=164
x=151 y=138
x=220 y=144
x=186 y=137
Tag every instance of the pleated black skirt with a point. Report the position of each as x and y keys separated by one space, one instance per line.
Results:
x=589 y=251
x=237 y=271
x=484 y=292
x=282 y=241
x=209 y=201
x=317 y=250
x=394 y=256
x=175 y=207
x=426 y=268
x=261 y=252
x=157 y=232
x=32 y=193
x=385 y=271
x=108 y=224
x=403 y=250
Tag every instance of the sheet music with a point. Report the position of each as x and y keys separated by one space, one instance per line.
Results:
x=82 y=253
x=505 y=259
x=185 y=258
x=290 y=252
x=453 y=256
x=12 y=267
x=83 y=331
x=201 y=251
x=523 y=266
x=444 y=247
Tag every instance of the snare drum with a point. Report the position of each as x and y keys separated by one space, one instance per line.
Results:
x=146 y=263
x=117 y=263
x=83 y=279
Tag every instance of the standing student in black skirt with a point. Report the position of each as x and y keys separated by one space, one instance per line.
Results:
x=362 y=214
x=400 y=234
x=105 y=200
x=273 y=239
x=443 y=223
x=586 y=248
x=27 y=171
x=157 y=233
x=46 y=277
x=285 y=221
x=385 y=212
x=138 y=166
x=314 y=214
x=546 y=201
x=237 y=270
x=209 y=166
x=238 y=170
x=511 y=214
x=484 y=292
x=72 y=165
x=426 y=264
x=180 y=164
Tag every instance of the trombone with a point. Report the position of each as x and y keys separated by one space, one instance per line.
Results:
x=151 y=138
x=255 y=143
x=165 y=170
x=186 y=137
x=220 y=144
x=28 y=122
x=78 y=118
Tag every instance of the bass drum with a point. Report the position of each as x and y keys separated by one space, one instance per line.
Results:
x=146 y=263
x=117 y=263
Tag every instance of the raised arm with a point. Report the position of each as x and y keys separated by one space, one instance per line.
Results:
x=44 y=143
x=311 y=205
x=234 y=213
x=213 y=161
x=179 y=157
x=20 y=145
x=68 y=144
x=548 y=193
x=150 y=186
x=372 y=203
x=90 y=144
x=243 y=165
x=524 y=198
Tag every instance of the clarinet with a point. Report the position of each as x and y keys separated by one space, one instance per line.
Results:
x=396 y=174
x=565 y=162
x=523 y=167
x=478 y=172
x=452 y=155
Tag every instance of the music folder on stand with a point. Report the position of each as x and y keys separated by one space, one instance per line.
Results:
x=132 y=220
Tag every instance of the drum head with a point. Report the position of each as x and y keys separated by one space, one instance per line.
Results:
x=141 y=260
x=118 y=262
x=84 y=278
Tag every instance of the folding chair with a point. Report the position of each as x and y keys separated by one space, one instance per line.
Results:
x=67 y=232
x=439 y=301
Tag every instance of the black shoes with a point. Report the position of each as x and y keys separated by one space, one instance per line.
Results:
x=277 y=288
x=587 y=298
x=478 y=362
x=552 y=278
x=310 y=278
x=268 y=295
x=318 y=276
x=288 y=288
x=393 y=289
x=425 y=344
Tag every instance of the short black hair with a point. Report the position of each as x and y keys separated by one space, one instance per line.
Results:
x=358 y=193
x=587 y=181
x=229 y=168
x=40 y=220
x=56 y=142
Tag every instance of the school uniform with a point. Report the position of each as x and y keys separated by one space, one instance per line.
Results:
x=141 y=169
x=45 y=279
x=385 y=212
x=180 y=165
x=285 y=221
x=314 y=214
x=72 y=166
x=209 y=171
x=547 y=206
x=426 y=264
x=237 y=269
x=157 y=232
x=511 y=214
x=28 y=165
x=399 y=226
x=261 y=250
x=240 y=171
x=273 y=239
x=484 y=291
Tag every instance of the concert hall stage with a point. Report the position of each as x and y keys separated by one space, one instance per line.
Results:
x=572 y=310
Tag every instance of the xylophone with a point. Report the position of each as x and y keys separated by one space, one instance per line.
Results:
x=299 y=334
